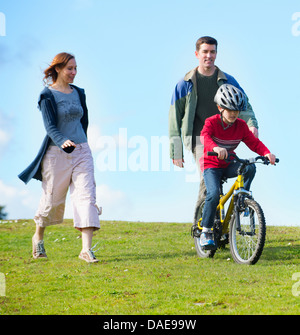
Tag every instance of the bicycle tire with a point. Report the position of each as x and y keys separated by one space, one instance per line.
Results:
x=246 y=246
x=200 y=251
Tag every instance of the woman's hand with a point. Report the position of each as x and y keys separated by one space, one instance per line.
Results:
x=68 y=143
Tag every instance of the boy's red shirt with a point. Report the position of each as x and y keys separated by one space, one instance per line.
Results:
x=214 y=135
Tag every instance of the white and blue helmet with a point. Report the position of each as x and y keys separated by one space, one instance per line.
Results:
x=230 y=97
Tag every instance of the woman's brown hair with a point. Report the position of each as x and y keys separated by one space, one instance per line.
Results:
x=59 y=61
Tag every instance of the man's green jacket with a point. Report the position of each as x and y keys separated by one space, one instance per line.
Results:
x=183 y=109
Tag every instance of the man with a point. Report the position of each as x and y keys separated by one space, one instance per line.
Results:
x=193 y=102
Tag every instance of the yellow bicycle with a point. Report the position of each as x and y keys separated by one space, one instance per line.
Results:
x=242 y=225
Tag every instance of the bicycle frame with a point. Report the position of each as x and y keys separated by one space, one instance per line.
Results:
x=237 y=187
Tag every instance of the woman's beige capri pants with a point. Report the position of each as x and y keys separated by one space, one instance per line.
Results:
x=61 y=171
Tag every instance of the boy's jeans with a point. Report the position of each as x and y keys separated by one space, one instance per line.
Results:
x=212 y=179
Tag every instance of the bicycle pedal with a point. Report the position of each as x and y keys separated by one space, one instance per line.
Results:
x=195 y=231
x=210 y=247
x=225 y=238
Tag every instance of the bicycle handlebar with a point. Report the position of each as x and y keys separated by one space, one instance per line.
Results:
x=244 y=161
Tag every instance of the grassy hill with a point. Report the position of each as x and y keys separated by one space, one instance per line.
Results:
x=144 y=269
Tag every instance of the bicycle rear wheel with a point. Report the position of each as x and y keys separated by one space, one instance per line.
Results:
x=246 y=244
x=200 y=251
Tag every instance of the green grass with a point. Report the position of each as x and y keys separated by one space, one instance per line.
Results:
x=144 y=269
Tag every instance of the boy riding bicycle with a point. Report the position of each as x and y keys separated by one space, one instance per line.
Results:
x=222 y=133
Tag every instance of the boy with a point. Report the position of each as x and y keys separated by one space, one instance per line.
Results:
x=222 y=133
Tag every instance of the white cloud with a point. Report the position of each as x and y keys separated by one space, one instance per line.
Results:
x=5 y=131
x=19 y=202
x=115 y=203
x=6 y=191
x=4 y=138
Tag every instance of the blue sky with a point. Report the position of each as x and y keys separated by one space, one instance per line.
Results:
x=130 y=55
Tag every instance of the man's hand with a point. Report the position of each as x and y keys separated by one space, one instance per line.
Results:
x=254 y=131
x=222 y=152
x=178 y=162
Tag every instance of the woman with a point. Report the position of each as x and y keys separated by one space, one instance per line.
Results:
x=64 y=160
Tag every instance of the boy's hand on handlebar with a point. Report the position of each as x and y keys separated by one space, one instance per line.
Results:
x=271 y=158
x=222 y=152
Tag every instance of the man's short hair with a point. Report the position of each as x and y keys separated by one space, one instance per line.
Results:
x=207 y=40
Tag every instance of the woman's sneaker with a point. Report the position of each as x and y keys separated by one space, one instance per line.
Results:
x=88 y=256
x=207 y=241
x=38 y=249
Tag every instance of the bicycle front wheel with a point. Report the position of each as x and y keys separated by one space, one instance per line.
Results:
x=247 y=243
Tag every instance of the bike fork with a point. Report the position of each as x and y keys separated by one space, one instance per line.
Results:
x=239 y=203
x=237 y=218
